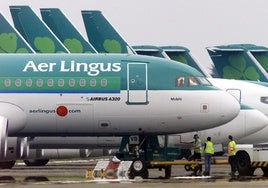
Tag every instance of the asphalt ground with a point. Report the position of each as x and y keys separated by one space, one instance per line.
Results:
x=73 y=173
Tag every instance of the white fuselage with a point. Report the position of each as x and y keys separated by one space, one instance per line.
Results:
x=109 y=114
x=250 y=94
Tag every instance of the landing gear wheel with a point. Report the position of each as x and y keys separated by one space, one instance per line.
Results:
x=265 y=171
x=138 y=168
x=243 y=164
x=32 y=162
x=168 y=172
x=7 y=164
x=188 y=167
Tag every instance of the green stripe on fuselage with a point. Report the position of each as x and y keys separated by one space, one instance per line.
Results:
x=60 y=84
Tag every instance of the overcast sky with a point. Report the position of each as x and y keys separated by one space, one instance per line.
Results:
x=194 y=24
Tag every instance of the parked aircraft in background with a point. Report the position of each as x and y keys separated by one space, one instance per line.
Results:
x=238 y=62
x=150 y=50
x=11 y=41
x=41 y=39
x=65 y=31
x=108 y=40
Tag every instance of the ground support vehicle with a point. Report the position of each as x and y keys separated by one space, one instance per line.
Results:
x=147 y=152
x=249 y=157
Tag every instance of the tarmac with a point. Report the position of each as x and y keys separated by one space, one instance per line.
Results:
x=73 y=173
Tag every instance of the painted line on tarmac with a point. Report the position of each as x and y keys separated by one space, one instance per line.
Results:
x=192 y=177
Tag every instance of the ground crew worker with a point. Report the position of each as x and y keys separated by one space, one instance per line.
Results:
x=208 y=151
x=232 y=155
x=197 y=147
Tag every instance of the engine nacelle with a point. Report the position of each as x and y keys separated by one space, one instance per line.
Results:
x=15 y=115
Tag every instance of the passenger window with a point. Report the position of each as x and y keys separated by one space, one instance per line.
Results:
x=71 y=82
x=39 y=83
x=82 y=82
x=61 y=82
x=18 y=82
x=7 y=82
x=103 y=83
x=50 y=82
x=192 y=81
x=179 y=81
x=29 y=82
x=92 y=82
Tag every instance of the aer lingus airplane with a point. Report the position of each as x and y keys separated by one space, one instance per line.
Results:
x=104 y=95
x=86 y=142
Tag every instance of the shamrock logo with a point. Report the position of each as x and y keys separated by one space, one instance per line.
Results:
x=112 y=46
x=263 y=60
x=45 y=45
x=239 y=70
x=180 y=59
x=9 y=44
x=73 y=45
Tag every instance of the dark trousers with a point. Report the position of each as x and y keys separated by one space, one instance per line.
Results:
x=232 y=162
x=197 y=157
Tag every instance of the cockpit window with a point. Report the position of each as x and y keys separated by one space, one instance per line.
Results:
x=264 y=100
x=179 y=81
x=191 y=81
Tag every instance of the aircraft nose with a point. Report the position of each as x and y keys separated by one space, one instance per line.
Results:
x=229 y=108
x=255 y=121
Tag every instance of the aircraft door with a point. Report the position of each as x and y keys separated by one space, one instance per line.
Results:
x=236 y=93
x=137 y=83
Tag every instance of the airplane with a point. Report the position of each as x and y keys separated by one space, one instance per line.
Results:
x=41 y=39
x=98 y=95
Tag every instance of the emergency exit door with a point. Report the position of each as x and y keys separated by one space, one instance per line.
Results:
x=137 y=83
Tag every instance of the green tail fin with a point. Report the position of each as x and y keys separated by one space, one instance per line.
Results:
x=260 y=53
x=10 y=40
x=34 y=31
x=150 y=50
x=102 y=35
x=234 y=62
x=65 y=31
x=182 y=54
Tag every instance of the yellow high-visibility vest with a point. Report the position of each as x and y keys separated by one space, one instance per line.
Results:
x=198 y=146
x=209 y=148
x=231 y=148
